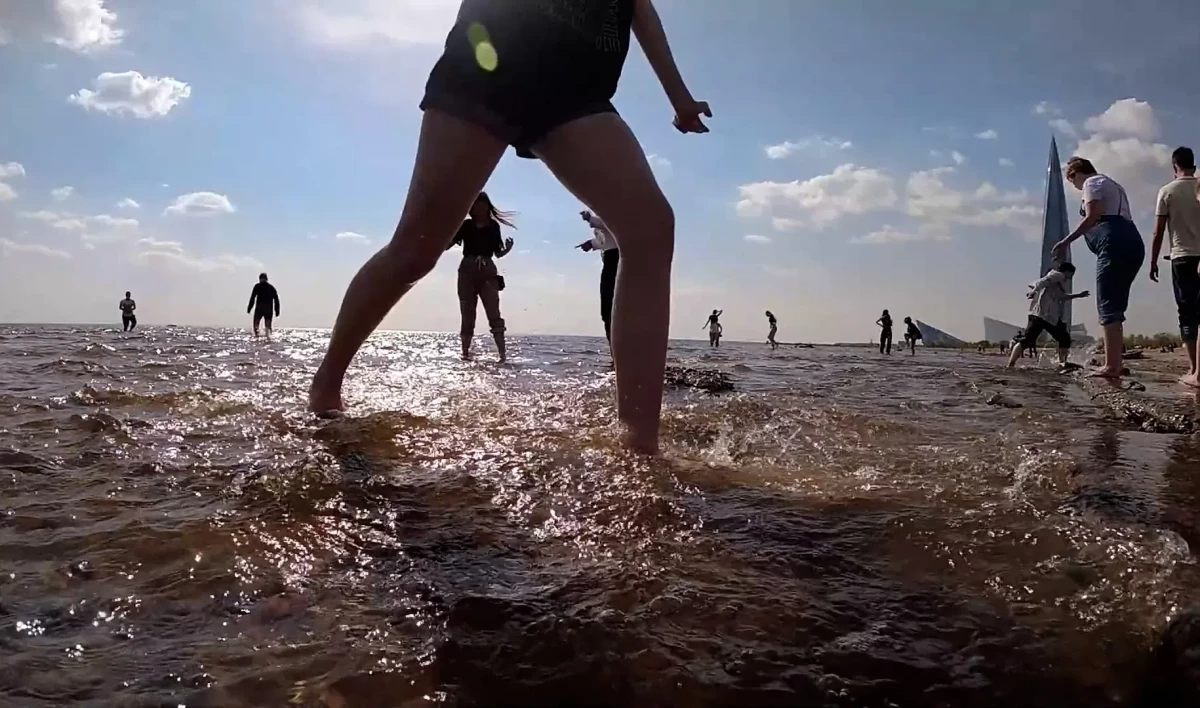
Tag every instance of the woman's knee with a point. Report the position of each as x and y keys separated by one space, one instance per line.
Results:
x=651 y=233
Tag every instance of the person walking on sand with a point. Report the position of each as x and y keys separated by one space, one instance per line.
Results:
x=911 y=335
x=713 y=324
x=478 y=279
x=603 y=241
x=1177 y=215
x=527 y=75
x=128 y=319
x=1048 y=295
x=1110 y=233
x=774 y=328
x=885 y=333
x=264 y=301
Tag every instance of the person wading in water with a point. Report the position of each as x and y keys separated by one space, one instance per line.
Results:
x=478 y=278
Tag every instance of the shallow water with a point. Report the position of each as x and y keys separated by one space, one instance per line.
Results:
x=844 y=530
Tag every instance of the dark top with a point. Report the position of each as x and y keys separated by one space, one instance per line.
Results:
x=127 y=306
x=913 y=332
x=771 y=320
x=265 y=295
x=886 y=321
x=576 y=46
x=479 y=241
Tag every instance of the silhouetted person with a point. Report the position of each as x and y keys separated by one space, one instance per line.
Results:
x=885 y=333
x=264 y=300
x=128 y=319
x=603 y=241
x=774 y=328
x=911 y=335
x=713 y=323
x=478 y=279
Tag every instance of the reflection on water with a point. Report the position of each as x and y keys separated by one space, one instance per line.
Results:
x=844 y=530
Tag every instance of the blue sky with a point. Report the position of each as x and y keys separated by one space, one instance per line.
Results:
x=863 y=155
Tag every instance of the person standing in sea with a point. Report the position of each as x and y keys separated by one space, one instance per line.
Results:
x=1110 y=233
x=539 y=76
x=264 y=300
x=713 y=323
x=1177 y=215
x=478 y=278
x=774 y=325
x=128 y=319
x=885 y=333
x=603 y=241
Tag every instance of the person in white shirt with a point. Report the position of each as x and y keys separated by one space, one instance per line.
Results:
x=602 y=240
x=1110 y=233
x=1177 y=215
x=1047 y=297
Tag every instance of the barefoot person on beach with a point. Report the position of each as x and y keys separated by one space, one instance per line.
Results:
x=128 y=319
x=911 y=334
x=774 y=328
x=603 y=241
x=1110 y=233
x=529 y=75
x=885 y=333
x=478 y=278
x=713 y=323
x=264 y=300
x=1177 y=215
x=1048 y=295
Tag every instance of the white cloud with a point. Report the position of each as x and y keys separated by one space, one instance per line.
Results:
x=939 y=206
x=755 y=238
x=849 y=189
x=659 y=164
x=127 y=203
x=365 y=23
x=7 y=193
x=351 y=236
x=12 y=246
x=819 y=142
x=889 y=234
x=200 y=204
x=1005 y=162
x=171 y=253
x=61 y=194
x=1127 y=117
x=958 y=157
x=156 y=245
x=130 y=93
x=64 y=221
x=114 y=222
x=1046 y=108
x=1064 y=127
x=78 y=25
x=9 y=170
x=988 y=134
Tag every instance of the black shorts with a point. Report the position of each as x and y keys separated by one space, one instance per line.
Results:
x=261 y=316
x=532 y=91
x=1035 y=327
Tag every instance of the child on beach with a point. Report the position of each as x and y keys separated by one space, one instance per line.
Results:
x=1047 y=296
x=911 y=335
x=538 y=76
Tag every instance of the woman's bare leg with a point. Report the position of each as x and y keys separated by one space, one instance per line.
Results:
x=454 y=160
x=600 y=161
x=489 y=294
x=1114 y=346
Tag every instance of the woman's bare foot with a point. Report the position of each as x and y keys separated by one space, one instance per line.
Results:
x=1192 y=380
x=325 y=396
x=1105 y=373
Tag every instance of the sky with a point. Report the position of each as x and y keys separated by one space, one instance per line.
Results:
x=864 y=154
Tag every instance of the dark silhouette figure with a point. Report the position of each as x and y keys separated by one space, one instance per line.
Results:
x=128 y=319
x=264 y=301
x=885 y=333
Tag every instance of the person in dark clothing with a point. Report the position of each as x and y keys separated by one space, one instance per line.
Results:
x=478 y=278
x=604 y=242
x=911 y=335
x=264 y=300
x=774 y=325
x=540 y=77
x=885 y=333
x=128 y=319
x=715 y=330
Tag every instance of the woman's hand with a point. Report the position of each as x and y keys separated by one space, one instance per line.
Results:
x=1060 y=249
x=687 y=116
x=508 y=244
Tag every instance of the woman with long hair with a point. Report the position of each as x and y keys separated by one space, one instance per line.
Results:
x=538 y=76
x=478 y=279
x=1109 y=231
